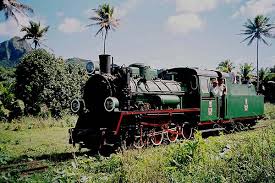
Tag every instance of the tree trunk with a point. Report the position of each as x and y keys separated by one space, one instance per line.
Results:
x=105 y=40
x=257 y=65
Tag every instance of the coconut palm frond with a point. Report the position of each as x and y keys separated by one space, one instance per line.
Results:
x=105 y=20
x=13 y=9
x=226 y=66
x=34 y=32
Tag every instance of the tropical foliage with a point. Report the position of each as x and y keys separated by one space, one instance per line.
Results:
x=263 y=73
x=105 y=20
x=259 y=29
x=246 y=70
x=14 y=9
x=226 y=66
x=10 y=107
x=34 y=32
x=46 y=84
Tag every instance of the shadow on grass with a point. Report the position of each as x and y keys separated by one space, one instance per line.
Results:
x=54 y=157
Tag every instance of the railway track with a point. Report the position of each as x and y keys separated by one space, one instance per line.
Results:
x=25 y=168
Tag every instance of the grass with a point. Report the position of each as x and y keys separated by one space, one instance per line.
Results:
x=270 y=111
x=247 y=156
x=34 y=138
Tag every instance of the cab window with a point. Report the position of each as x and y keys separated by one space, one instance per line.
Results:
x=204 y=82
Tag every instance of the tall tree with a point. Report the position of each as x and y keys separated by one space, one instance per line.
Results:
x=258 y=29
x=246 y=70
x=105 y=20
x=34 y=32
x=13 y=9
x=226 y=66
x=263 y=73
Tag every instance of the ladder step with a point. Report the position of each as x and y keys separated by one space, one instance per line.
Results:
x=212 y=130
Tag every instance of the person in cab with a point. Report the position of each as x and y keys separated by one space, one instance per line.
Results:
x=214 y=89
x=222 y=87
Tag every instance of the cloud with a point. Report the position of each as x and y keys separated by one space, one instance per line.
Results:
x=184 y=23
x=120 y=11
x=60 y=13
x=189 y=12
x=71 y=25
x=10 y=27
x=254 y=7
x=123 y=9
x=195 y=6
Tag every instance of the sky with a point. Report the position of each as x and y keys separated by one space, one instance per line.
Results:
x=160 y=33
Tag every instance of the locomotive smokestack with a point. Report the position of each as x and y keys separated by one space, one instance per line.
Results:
x=105 y=64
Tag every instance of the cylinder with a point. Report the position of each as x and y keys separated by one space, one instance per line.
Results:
x=105 y=64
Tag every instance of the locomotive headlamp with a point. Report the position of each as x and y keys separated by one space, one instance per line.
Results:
x=90 y=67
x=111 y=103
x=77 y=105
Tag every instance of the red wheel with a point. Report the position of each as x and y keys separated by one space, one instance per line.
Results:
x=186 y=131
x=172 y=134
x=139 y=142
x=139 y=139
x=156 y=137
x=240 y=126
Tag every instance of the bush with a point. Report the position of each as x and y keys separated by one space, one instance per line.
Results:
x=10 y=108
x=42 y=79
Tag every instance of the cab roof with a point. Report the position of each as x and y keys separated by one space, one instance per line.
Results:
x=198 y=72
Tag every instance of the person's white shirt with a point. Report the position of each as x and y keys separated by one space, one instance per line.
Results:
x=222 y=89
x=215 y=90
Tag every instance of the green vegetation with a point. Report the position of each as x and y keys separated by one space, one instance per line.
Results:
x=41 y=85
x=10 y=107
x=246 y=71
x=46 y=84
x=32 y=137
x=29 y=143
x=226 y=66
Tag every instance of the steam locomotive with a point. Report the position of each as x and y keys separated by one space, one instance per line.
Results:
x=137 y=106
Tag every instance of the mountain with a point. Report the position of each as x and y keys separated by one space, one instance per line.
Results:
x=12 y=50
x=76 y=60
x=82 y=62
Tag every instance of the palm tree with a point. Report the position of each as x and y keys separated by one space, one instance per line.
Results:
x=226 y=66
x=34 y=32
x=105 y=20
x=258 y=29
x=12 y=7
x=263 y=73
x=246 y=71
